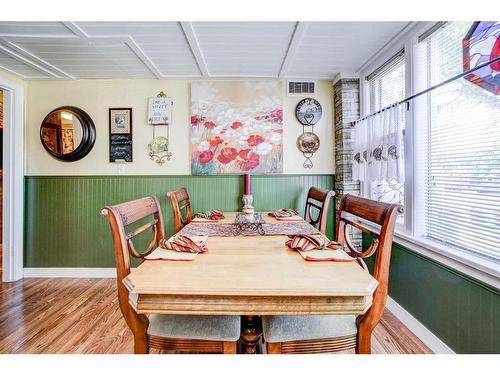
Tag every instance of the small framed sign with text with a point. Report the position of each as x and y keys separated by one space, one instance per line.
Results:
x=160 y=110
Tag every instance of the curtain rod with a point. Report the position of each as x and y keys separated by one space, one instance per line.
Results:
x=429 y=89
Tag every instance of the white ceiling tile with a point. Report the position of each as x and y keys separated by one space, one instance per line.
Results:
x=163 y=49
x=228 y=47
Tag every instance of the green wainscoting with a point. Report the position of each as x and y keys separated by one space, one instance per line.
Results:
x=63 y=227
x=463 y=312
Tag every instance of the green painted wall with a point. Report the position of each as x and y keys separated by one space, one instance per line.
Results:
x=463 y=312
x=64 y=229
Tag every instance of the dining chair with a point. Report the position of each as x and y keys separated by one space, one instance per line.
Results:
x=318 y=200
x=332 y=333
x=181 y=201
x=177 y=333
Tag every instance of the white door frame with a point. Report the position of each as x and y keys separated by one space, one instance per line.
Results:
x=13 y=180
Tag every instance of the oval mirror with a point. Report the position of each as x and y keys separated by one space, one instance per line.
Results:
x=67 y=133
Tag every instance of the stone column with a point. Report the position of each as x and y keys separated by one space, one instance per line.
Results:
x=347 y=109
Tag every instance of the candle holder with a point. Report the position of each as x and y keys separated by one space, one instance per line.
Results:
x=247 y=204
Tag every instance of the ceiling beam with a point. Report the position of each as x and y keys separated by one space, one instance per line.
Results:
x=126 y=39
x=27 y=61
x=295 y=39
x=190 y=34
x=35 y=58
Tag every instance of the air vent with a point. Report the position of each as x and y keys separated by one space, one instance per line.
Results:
x=301 y=88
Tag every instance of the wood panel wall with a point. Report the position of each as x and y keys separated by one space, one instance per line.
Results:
x=63 y=227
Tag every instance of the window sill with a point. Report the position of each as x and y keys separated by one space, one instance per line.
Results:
x=484 y=270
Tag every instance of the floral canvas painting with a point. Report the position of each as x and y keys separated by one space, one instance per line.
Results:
x=236 y=127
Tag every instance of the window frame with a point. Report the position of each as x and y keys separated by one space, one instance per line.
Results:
x=411 y=234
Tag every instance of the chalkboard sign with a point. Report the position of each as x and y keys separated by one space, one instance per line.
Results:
x=120 y=147
x=120 y=134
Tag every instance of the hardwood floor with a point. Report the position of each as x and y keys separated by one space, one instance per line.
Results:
x=82 y=316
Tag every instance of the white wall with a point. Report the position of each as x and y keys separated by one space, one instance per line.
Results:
x=97 y=96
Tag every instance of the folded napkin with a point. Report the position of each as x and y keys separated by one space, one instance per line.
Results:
x=162 y=254
x=184 y=244
x=290 y=218
x=307 y=242
x=318 y=248
x=283 y=212
x=210 y=215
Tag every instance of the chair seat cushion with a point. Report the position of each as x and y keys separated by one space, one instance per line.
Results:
x=307 y=327
x=199 y=327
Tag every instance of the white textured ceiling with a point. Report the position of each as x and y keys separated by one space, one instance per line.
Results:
x=87 y=50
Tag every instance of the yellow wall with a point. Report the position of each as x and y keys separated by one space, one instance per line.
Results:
x=97 y=96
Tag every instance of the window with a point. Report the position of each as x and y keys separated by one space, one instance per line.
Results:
x=459 y=130
x=387 y=86
x=387 y=83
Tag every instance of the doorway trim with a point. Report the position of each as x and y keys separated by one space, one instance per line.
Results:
x=13 y=180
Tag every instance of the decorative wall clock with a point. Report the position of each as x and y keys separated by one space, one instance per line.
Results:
x=308 y=113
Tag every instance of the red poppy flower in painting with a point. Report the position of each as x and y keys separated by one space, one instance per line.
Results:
x=254 y=140
x=209 y=125
x=196 y=119
x=248 y=160
x=206 y=156
x=227 y=155
x=216 y=141
x=236 y=125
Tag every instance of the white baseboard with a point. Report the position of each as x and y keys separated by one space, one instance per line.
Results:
x=418 y=329
x=70 y=272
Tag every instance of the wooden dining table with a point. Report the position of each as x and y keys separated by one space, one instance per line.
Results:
x=249 y=276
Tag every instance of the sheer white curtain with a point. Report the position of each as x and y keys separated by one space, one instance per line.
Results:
x=378 y=150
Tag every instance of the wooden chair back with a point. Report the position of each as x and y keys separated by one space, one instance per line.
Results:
x=121 y=216
x=181 y=201
x=384 y=216
x=318 y=200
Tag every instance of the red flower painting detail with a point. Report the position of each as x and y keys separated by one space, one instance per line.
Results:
x=247 y=160
x=209 y=125
x=227 y=155
x=216 y=141
x=254 y=140
x=196 y=119
x=206 y=156
x=236 y=125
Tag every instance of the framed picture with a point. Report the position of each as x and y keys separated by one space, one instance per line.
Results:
x=120 y=135
x=120 y=120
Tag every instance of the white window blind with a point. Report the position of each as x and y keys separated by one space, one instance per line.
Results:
x=462 y=156
x=387 y=86
x=387 y=83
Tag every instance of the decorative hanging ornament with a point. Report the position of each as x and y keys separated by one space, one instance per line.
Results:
x=158 y=150
x=480 y=45
x=308 y=113
x=160 y=114
x=308 y=144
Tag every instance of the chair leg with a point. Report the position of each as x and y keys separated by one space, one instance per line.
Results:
x=229 y=347
x=141 y=343
x=363 y=341
x=273 y=347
